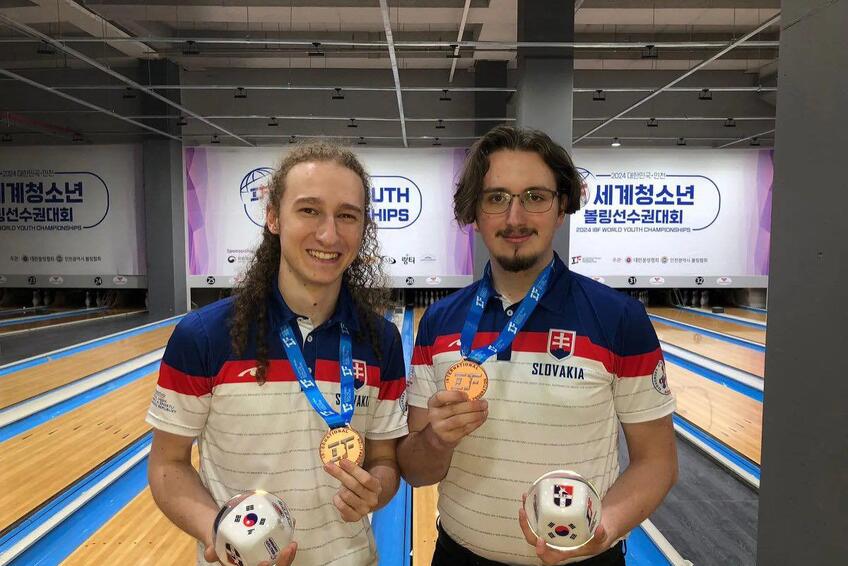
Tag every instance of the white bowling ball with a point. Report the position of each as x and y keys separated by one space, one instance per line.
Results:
x=252 y=527
x=563 y=509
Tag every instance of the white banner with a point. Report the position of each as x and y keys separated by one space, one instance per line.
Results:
x=412 y=192
x=71 y=214
x=673 y=218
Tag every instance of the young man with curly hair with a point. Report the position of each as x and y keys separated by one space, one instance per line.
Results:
x=240 y=375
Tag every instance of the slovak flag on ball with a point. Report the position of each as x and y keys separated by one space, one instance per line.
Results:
x=563 y=495
x=561 y=343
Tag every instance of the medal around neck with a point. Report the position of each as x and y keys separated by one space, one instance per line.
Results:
x=468 y=377
x=564 y=509
x=342 y=443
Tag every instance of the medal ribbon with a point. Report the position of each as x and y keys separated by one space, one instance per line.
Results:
x=516 y=322
x=307 y=382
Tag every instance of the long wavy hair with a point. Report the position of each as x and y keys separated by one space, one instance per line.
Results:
x=364 y=277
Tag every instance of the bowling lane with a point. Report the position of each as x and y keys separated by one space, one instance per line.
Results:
x=50 y=457
x=64 y=320
x=732 y=418
x=733 y=355
x=35 y=380
x=745 y=313
x=709 y=323
x=138 y=534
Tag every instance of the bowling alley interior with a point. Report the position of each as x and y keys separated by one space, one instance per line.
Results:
x=139 y=146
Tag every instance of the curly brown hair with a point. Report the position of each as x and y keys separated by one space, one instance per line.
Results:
x=470 y=184
x=364 y=277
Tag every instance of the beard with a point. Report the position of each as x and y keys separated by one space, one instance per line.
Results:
x=517 y=263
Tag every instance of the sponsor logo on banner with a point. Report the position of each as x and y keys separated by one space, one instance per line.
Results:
x=587 y=181
x=396 y=201
x=231 y=259
x=426 y=259
x=575 y=259
x=660 y=380
x=119 y=280
x=389 y=259
x=434 y=280
x=561 y=343
x=252 y=191
x=60 y=258
x=56 y=280
x=724 y=280
x=657 y=280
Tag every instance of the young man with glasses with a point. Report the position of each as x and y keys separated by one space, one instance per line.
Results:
x=566 y=359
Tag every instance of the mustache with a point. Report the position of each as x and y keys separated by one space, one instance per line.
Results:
x=515 y=232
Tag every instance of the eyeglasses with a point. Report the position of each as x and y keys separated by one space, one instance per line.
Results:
x=535 y=201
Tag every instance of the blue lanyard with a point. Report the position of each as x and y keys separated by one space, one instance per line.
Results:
x=515 y=324
x=307 y=382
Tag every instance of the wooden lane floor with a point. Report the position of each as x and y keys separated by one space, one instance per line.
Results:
x=139 y=534
x=56 y=321
x=731 y=417
x=745 y=313
x=727 y=353
x=725 y=327
x=47 y=459
x=35 y=380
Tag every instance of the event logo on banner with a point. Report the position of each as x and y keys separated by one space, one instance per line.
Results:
x=46 y=200
x=395 y=201
x=673 y=218
x=253 y=190
x=647 y=202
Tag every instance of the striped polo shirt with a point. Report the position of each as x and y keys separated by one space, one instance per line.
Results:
x=586 y=359
x=267 y=437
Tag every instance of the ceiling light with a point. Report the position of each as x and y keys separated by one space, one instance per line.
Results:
x=440 y=125
x=454 y=51
x=45 y=48
x=240 y=93
x=77 y=138
x=755 y=142
x=273 y=122
x=652 y=123
x=215 y=138
x=361 y=141
x=681 y=141
x=437 y=142
x=445 y=96
x=599 y=95
x=317 y=52
x=292 y=139
x=353 y=123
x=7 y=138
x=730 y=123
x=705 y=94
x=338 y=94
x=650 y=52
x=129 y=94
x=182 y=121
x=190 y=48
x=615 y=142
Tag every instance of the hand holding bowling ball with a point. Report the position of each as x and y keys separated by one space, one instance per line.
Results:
x=453 y=417
x=253 y=528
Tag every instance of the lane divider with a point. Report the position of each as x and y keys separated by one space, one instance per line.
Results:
x=51 y=316
x=711 y=333
x=726 y=318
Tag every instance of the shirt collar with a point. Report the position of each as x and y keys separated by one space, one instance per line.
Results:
x=345 y=310
x=558 y=286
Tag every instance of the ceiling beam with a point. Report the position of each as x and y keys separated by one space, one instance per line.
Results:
x=691 y=71
x=387 y=25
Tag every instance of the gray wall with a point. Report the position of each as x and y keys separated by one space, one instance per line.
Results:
x=804 y=489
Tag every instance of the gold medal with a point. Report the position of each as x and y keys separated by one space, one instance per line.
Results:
x=469 y=377
x=342 y=442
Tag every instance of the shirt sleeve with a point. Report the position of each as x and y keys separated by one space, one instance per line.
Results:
x=421 y=383
x=389 y=420
x=183 y=392
x=641 y=386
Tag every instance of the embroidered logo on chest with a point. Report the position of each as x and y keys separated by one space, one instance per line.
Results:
x=561 y=343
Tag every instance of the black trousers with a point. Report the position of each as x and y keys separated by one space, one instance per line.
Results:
x=451 y=553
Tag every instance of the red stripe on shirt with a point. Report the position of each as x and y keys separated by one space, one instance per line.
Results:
x=639 y=365
x=391 y=390
x=174 y=380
